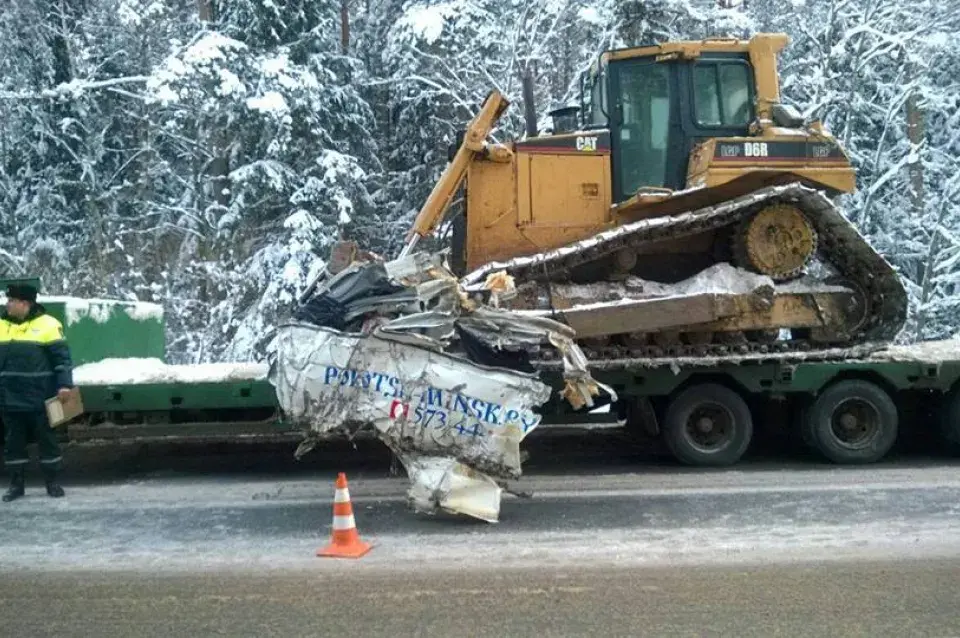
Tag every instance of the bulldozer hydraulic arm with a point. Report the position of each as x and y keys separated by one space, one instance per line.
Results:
x=473 y=143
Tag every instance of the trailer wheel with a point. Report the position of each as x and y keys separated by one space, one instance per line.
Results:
x=853 y=422
x=950 y=418
x=800 y=422
x=708 y=425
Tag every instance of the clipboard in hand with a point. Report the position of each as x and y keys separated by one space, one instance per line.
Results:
x=59 y=412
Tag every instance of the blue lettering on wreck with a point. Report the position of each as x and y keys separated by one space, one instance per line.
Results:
x=434 y=397
x=437 y=408
x=461 y=404
x=379 y=377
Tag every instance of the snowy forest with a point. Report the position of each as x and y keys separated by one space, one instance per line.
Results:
x=204 y=154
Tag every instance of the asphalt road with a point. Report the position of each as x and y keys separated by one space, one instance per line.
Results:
x=897 y=599
x=642 y=519
x=762 y=549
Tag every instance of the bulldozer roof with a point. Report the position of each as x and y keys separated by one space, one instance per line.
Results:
x=761 y=43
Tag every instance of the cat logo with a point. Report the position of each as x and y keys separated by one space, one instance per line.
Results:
x=587 y=143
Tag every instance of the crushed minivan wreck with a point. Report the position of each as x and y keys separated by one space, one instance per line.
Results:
x=438 y=371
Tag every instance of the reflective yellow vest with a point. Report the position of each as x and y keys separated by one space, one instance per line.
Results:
x=34 y=361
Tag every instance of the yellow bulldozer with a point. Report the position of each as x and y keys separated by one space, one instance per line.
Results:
x=680 y=209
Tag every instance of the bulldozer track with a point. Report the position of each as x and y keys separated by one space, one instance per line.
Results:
x=840 y=245
x=620 y=358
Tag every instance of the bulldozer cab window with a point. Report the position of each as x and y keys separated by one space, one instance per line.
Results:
x=722 y=94
x=594 y=100
x=643 y=102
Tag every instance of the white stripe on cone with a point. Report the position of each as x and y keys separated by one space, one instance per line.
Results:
x=341 y=496
x=344 y=522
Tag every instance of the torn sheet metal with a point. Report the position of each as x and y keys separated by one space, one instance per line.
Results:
x=453 y=423
x=440 y=372
x=443 y=483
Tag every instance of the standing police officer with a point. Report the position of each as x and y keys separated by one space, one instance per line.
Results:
x=35 y=365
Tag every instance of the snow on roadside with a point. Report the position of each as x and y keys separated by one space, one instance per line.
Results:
x=185 y=526
x=109 y=549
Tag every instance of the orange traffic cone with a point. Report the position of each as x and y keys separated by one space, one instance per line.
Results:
x=345 y=540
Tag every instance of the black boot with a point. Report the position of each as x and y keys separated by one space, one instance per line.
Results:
x=53 y=487
x=16 y=485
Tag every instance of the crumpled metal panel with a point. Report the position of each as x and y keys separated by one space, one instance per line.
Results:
x=438 y=371
x=423 y=404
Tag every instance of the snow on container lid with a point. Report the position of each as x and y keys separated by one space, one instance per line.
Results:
x=100 y=310
x=137 y=371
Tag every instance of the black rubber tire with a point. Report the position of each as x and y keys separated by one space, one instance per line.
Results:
x=876 y=405
x=801 y=424
x=714 y=397
x=950 y=419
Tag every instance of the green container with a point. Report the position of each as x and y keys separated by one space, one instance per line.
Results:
x=98 y=329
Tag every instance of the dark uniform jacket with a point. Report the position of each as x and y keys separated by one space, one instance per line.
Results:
x=34 y=361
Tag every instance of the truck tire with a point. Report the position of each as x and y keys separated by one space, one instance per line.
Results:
x=950 y=418
x=853 y=422
x=800 y=422
x=708 y=425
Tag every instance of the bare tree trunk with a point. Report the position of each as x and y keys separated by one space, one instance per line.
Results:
x=219 y=167
x=205 y=10
x=926 y=279
x=345 y=25
x=915 y=133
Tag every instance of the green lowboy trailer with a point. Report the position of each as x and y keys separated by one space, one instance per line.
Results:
x=702 y=412
x=847 y=411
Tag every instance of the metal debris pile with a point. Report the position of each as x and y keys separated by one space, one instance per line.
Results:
x=439 y=370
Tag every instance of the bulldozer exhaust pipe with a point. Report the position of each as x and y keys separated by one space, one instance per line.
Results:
x=529 y=108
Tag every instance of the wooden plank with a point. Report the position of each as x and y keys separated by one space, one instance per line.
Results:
x=716 y=312
x=648 y=315
x=796 y=310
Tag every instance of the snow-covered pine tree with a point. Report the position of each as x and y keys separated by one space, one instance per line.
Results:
x=265 y=122
x=866 y=68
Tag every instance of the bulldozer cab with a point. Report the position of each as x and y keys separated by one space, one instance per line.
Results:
x=658 y=109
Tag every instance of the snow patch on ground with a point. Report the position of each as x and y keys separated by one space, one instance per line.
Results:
x=133 y=371
x=191 y=525
x=123 y=550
